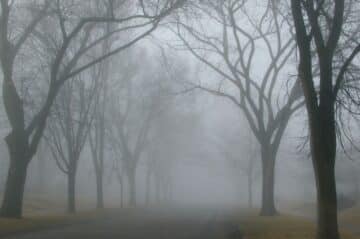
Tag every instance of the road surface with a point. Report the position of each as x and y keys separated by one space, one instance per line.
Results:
x=143 y=224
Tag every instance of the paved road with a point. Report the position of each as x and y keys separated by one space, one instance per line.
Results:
x=142 y=224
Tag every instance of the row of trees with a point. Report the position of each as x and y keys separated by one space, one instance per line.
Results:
x=118 y=116
x=268 y=58
x=263 y=54
x=60 y=39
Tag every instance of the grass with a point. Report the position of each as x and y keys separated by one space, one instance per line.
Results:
x=34 y=223
x=279 y=227
x=350 y=216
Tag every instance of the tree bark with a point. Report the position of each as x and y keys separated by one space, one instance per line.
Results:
x=327 y=204
x=268 y=182
x=16 y=178
x=14 y=189
x=323 y=147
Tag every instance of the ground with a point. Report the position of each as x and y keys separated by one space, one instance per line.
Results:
x=130 y=223
x=282 y=226
x=137 y=224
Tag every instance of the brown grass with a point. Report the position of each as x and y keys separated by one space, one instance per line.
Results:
x=34 y=223
x=350 y=216
x=279 y=227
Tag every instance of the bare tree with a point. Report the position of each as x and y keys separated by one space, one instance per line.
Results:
x=66 y=27
x=321 y=28
x=69 y=128
x=97 y=143
x=160 y=163
x=132 y=119
x=97 y=136
x=117 y=167
x=240 y=153
x=249 y=55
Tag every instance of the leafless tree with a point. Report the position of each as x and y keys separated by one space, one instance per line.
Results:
x=321 y=29
x=160 y=164
x=249 y=55
x=240 y=152
x=69 y=25
x=97 y=136
x=69 y=128
x=133 y=114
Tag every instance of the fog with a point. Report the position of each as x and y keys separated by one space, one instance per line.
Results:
x=243 y=107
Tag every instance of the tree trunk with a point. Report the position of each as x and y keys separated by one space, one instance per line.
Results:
x=132 y=187
x=327 y=204
x=99 y=190
x=323 y=147
x=71 y=191
x=16 y=178
x=14 y=189
x=268 y=183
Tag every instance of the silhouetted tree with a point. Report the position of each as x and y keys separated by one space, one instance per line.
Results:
x=321 y=29
x=249 y=55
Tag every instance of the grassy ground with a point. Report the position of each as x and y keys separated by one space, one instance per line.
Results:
x=38 y=216
x=47 y=211
x=351 y=216
x=34 y=223
x=279 y=227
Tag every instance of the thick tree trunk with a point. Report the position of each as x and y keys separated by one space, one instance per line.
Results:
x=132 y=187
x=14 y=189
x=99 y=190
x=323 y=147
x=268 y=183
x=16 y=178
x=327 y=204
x=71 y=208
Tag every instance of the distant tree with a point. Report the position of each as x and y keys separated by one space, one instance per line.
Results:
x=240 y=154
x=119 y=171
x=133 y=112
x=176 y=123
x=97 y=136
x=68 y=129
x=158 y=172
x=322 y=29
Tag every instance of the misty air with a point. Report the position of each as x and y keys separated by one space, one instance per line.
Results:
x=189 y=119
